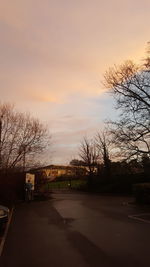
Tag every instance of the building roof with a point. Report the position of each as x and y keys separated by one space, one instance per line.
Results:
x=56 y=167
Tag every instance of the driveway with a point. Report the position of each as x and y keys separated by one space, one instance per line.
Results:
x=78 y=230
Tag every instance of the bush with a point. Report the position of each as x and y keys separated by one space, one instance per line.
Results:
x=142 y=193
x=11 y=188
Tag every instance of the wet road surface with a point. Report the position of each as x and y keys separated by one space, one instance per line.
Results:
x=78 y=230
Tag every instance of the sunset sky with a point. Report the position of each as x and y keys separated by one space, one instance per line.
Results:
x=53 y=55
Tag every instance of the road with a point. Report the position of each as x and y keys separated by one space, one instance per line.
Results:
x=79 y=230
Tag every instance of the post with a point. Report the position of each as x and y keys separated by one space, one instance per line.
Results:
x=24 y=157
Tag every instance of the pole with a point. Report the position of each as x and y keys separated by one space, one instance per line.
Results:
x=24 y=157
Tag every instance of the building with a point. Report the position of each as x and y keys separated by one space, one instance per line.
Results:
x=51 y=172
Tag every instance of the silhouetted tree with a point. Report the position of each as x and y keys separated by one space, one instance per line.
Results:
x=22 y=137
x=104 y=145
x=77 y=162
x=147 y=58
x=90 y=155
x=130 y=85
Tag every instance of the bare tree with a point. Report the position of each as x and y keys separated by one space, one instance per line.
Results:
x=130 y=85
x=104 y=146
x=77 y=162
x=147 y=58
x=22 y=137
x=89 y=154
x=131 y=137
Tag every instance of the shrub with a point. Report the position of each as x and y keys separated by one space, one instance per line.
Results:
x=142 y=193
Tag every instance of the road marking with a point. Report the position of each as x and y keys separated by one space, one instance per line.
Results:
x=6 y=231
x=136 y=217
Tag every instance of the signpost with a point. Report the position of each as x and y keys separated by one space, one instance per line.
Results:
x=31 y=178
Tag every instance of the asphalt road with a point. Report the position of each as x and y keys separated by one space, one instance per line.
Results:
x=78 y=230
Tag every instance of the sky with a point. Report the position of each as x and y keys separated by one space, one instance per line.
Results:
x=53 y=55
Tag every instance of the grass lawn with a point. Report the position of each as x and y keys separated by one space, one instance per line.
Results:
x=74 y=184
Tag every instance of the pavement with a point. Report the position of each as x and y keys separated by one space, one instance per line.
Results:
x=80 y=230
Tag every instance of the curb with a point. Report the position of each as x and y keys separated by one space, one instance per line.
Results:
x=6 y=232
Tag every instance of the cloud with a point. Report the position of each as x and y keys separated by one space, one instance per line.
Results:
x=54 y=54
x=56 y=50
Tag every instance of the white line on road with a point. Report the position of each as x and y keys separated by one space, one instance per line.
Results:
x=136 y=217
